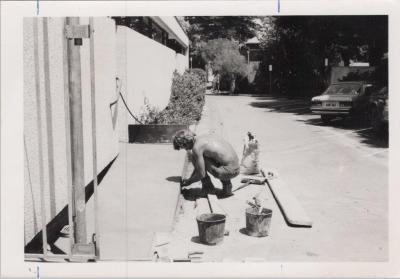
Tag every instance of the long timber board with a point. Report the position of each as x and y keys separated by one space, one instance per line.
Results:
x=290 y=206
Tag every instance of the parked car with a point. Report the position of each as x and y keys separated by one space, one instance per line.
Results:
x=378 y=110
x=342 y=99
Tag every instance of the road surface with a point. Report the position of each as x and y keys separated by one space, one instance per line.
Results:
x=339 y=173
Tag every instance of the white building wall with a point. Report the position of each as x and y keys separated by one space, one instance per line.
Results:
x=146 y=69
x=181 y=63
x=107 y=133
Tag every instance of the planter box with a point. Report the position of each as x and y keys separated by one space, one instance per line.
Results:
x=162 y=133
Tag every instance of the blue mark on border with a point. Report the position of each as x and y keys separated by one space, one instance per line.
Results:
x=37 y=268
x=37 y=7
x=279 y=6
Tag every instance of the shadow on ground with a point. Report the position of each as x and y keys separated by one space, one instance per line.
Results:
x=176 y=179
x=283 y=105
x=359 y=125
x=192 y=194
x=54 y=227
x=196 y=239
x=243 y=231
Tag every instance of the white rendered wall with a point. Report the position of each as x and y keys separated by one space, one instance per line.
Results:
x=119 y=52
x=107 y=133
x=146 y=69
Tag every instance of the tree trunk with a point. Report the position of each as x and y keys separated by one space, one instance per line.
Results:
x=233 y=85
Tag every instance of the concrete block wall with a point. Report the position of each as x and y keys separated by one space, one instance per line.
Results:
x=107 y=130
x=146 y=68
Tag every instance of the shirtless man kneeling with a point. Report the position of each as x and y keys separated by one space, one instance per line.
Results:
x=210 y=154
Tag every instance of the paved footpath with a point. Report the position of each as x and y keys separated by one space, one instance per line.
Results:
x=339 y=174
x=137 y=200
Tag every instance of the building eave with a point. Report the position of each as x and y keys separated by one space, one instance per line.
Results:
x=179 y=35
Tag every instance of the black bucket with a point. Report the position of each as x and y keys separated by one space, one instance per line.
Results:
x=257 y=224
x=211 y=228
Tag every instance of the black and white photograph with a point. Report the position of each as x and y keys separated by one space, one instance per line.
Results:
x=235 y=138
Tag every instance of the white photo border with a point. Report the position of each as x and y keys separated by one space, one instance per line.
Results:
x=12 y=164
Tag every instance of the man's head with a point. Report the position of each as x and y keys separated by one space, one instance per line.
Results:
x=184 y=139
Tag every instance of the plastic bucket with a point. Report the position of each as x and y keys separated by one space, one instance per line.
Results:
x=211 y=228
x=257 y=224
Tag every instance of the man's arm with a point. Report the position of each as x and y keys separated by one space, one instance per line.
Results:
x=199 y=171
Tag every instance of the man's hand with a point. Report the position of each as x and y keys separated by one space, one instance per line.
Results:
x=185 y=182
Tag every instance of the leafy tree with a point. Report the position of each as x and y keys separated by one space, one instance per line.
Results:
x=298 y=45
x=202 y=29
x=235 y=28
x=225 y=59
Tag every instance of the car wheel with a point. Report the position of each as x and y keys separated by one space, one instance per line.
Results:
x=326 y=118
x=375 y=120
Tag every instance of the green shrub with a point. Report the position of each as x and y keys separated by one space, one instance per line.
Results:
x=149 y=113
x=200 y=72
x=186 y=101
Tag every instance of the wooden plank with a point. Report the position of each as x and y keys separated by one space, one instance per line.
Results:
x=215 y=205
x=291 y=208
x=59 y=257
x=202 y=206
x=30 y=256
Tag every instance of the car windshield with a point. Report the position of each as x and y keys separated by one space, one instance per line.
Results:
x=338 y=89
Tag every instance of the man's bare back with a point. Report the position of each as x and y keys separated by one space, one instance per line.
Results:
x=215 y=149
x=210 y=154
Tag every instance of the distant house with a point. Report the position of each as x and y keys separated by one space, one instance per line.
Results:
x=253 y=53
x=252 y=50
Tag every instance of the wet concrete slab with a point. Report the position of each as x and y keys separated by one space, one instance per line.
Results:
x=137 y=199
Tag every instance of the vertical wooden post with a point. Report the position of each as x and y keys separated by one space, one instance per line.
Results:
x=40 y=135
x=49 y=117
x=75 y=94
x=71 y=205
x=94 y=134
x=270 y=78
x=270 y=83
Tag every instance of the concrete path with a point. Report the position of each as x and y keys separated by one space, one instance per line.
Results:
x=339 y=173
x=137 y=199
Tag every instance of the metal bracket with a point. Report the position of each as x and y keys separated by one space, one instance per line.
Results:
x=77 y=31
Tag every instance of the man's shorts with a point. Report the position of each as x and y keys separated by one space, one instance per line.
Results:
x=221 y=172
